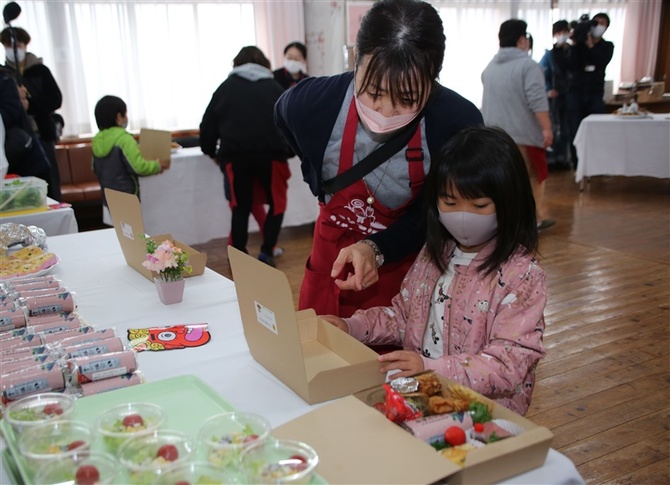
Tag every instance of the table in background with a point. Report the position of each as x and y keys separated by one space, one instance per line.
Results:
x=623 y=145
x=55 y=222
x=188 y=202
x=110 y=293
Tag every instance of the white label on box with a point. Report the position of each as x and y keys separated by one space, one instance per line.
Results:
x=127 y=230
x=266 y=317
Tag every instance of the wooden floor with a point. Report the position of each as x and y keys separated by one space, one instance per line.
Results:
x=604 y=386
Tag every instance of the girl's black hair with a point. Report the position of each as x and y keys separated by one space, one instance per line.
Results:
x=251 y=54
x=298 y=45
x=483 y=162
x=106 y=110
x=405 y=41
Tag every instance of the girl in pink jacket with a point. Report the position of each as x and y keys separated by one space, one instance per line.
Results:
x=471 y=306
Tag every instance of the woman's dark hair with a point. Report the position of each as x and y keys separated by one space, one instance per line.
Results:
x=405 y=41
x=510 y=31
x=106 y=110
x=298 y=45
x=251 y=54
x=21 y=36
x=483 y=162
x=600 y=15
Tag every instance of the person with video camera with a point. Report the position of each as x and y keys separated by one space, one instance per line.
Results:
x=587 y=59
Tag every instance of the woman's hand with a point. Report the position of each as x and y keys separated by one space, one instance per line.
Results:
x=337 y=321
x=362 y=258
x=407 y=361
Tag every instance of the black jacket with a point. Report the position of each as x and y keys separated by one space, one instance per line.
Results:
x=586 y=67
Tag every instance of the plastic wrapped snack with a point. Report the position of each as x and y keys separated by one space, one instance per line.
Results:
x=32 y=380
x=51 y=303
x=83 y=370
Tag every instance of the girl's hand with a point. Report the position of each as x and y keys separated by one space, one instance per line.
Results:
x=362 y=258
x=408 y=362
x=337 y=321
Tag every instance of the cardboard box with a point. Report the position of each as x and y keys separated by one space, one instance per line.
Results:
x=651 y=94
x=357 y=444
x=127 y=218
x=155 y=144
x=316 y=360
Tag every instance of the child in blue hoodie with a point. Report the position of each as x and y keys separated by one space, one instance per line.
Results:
x=117 y=160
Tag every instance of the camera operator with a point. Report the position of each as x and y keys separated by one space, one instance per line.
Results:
x=587 y=59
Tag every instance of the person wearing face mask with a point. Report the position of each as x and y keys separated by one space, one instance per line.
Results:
x=40 y=89
x=588 y=58
x=514 y=99
x=554 y=66
x=117 y=160
x=369 y=228
x=295 y=65
x=471 y=306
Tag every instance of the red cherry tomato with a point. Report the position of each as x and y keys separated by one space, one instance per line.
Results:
x=299 y=458
x=183 y=482
x=454 y=436
x=87 y=475
x=479 y=427
x=251 y=437
x=52 y=408
x=301 y=465
x=168 y=452
x=132 y=420
x=75 y=444
x=380 y=406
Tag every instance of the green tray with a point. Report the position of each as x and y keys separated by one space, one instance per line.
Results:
x=187 y=401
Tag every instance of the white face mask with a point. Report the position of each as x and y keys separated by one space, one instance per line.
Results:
x=561 y=39
x=294 y=67
x=468 y=228
x=378 y=123
x=9 y=54
x=598 y=30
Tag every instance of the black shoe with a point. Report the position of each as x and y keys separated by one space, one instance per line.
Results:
x=545 y=224
x=267 y=259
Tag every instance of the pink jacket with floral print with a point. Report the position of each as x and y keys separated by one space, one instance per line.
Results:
x=493 y=324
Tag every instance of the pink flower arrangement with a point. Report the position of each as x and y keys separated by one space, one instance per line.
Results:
x=167 y=260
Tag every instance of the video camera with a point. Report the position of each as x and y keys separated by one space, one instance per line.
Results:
x=583 y=29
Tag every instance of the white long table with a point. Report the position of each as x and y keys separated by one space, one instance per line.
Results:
x=188 y=202
x=621 y=145
x=55 y=222
x=111 y=294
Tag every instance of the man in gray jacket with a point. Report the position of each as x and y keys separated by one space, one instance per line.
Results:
x=515 y=100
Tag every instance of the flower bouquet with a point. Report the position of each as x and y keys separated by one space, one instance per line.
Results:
x=169 y=261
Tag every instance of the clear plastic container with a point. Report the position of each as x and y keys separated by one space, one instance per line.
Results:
x=22 y=194
x=38 y=409
x=224 y=436
x=201 y=473
x=120 y=423
x=145 y=458
x=86 y=468
x=279 y=462
x=54 y=441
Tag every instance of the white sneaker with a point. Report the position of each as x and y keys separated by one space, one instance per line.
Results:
x=277 y=251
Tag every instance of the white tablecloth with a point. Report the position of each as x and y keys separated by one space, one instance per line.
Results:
x=188 y=202
x=111 y=294
x=620 y=145
x=55 y=222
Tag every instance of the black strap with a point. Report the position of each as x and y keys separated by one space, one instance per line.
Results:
x=374 y=159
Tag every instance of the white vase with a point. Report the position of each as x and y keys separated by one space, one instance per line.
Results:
x=170 y=291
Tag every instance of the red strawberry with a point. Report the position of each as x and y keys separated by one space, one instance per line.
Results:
x=168 y=452
x=87 y=475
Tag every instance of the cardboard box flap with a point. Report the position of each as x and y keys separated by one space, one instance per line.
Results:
x=357 y=444
x=155 y=144
x=315 y=359
x=126 y=215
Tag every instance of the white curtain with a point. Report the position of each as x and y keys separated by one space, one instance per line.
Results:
x=640 y=44
x=164 y=58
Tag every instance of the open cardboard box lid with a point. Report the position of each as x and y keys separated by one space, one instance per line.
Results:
x=357 y=444
x=127 y=218
x=155 y=144
x=316 y=360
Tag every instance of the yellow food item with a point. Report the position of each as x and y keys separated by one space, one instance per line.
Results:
x=457 y=454
x=26 y=261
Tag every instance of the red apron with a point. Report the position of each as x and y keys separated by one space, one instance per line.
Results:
x=346 y=219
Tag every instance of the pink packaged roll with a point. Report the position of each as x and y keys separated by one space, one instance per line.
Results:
x=53 y=303
x=97 y=367
x=73 y=322
x=16 y=332
x=26 y=362
x=35 y=284
x=52 y=317
x=55 y=327
x=19 y=353
x=39 y=378
x=97 y=347
x=110 y=384
x=22 y=293
x=13 y=318
x=105 y=333
x=7 y=303
x=56 y=337
x=22 y=341
x=431 y=428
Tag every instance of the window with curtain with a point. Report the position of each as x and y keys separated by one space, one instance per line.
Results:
x=472 y=35
x=164 y=59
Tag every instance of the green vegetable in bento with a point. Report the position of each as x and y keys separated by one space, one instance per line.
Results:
x=480 y=412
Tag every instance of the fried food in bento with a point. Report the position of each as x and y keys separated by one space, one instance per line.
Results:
x=429 y=384
x=444 y=405
x=457 y=454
